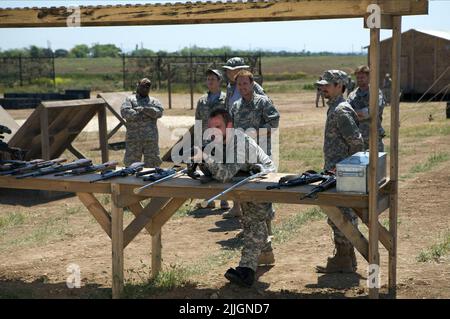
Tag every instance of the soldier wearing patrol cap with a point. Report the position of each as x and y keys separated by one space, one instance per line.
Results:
x=213 y=100
x=359 y=100
x=342 y=139
x=232 y=68
x=141 y=113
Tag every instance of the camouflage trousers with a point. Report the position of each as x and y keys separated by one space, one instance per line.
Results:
x=339 y=237
x=135 y=149
x=256 y=237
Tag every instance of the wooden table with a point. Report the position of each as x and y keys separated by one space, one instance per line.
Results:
x=168 y=196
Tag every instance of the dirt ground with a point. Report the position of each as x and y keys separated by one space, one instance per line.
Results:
x=40 y=238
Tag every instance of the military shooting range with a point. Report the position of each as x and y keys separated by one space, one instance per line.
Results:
x=291 y=169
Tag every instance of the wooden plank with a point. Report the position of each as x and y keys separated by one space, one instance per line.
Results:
x=143 y=218
x=114 y=131
x=164 y=215
x=348 y=229
x=45 y=140
x=374 y=258
x=97 y=210
x=117 y=243
x=394 y=137
x=156 y=253
x=195 y=13
x=72 y=149
x=102 y=133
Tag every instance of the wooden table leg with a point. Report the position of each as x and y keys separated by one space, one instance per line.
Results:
x=117 y=243
x=156 y=253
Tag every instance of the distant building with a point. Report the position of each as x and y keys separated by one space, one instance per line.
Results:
x=425 y=57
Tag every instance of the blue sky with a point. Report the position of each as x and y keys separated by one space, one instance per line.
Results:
x=345 y=35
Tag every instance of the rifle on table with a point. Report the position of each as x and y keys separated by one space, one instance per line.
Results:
x=328 y=183
x=57 y=168
x=103 y=168
x=172 y=174
x=32 y=166
x=15 y=152
x=305 y=178
x=206 y=202
x=130 y=170
x=7 y=165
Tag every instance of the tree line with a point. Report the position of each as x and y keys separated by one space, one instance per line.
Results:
x=112 y=51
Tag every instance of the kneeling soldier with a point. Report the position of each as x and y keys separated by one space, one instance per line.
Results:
x=248 y=158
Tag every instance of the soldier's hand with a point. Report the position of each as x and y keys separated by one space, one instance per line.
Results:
x=197 y=154
x=139 y=109
x=257 y=168
x=287 y=178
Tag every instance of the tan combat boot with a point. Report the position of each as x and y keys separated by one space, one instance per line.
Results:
x=266 y=258
x=344 y=261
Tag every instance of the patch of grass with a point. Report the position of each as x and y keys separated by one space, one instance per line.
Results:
x=183 y=211
x=168 y=279
x=432 y=161
x=286 y=230
x=436 y=251
x=426 y=130
x=11 y=220
x=385 y=223
x=73 y=210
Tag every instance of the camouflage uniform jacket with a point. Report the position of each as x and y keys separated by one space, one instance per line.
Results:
x=233 y=94
x=257 y=113
x=359 y=100
x=242 y=159
x=205 y=106
x=342 y=137
x=141 y=114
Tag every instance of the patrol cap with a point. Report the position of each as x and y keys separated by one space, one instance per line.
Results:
x=145 y=82
x=333 y=76
x=215 y=72
x=235 y=63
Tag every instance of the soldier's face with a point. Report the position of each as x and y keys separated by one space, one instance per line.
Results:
x=231 y=74
x=245 y=86
x=143 y=90
x=213 y=83
x=331 y=90
x=362 y=80
x=218 y=123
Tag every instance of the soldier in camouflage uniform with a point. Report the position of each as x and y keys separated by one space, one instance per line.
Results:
x=141 y=112
x=350 y=86
x=359 y=100
x=255 y=233
x=387 y=83
x=342 y=139
x=214 y=99
x=232 y=68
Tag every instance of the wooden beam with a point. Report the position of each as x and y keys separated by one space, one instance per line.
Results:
x=374 y=257
x=156 y=253
x=201 y=12
x=102 y=133
x=394 y=135
x=45 y=138
x=164 y=215
x=72 y=149
x=97 y=210
x=348 y=229
x=117 y=243
x=143 y=218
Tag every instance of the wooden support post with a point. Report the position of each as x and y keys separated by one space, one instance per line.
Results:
x=374 y=257
x=156 y=253
x=102 y=131
x=169 y=85
x=395 y=123
x=45 y=137
x=117 y=242
x=191 y=81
